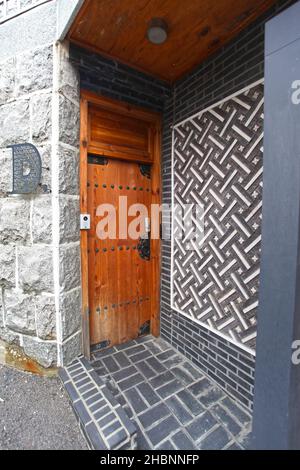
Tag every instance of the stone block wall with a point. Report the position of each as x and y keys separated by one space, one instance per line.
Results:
x=27 y=298
x=10 y=8
x=40 y=301
x=67 y=204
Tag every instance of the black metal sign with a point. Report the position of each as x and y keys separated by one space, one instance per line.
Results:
x=27 y=168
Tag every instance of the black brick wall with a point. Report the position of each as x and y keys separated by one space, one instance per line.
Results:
x=118 y=81
x=235 y=66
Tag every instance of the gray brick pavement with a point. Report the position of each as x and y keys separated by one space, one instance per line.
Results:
x=171 y=402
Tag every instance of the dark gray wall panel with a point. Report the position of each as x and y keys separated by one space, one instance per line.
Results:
x=277 y=393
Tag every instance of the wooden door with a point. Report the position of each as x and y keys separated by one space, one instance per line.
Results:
x=120 y=267
x=119 y=156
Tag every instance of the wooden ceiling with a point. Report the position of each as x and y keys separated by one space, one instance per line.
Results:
x=197 y=29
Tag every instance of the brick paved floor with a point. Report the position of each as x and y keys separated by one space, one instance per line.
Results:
x=174 y=405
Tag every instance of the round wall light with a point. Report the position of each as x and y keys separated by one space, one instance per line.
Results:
x=157 y=32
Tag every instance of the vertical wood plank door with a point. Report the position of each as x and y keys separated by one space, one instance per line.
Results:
x=120 y=268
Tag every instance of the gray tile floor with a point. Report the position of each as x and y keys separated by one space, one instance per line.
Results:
x=174 y=405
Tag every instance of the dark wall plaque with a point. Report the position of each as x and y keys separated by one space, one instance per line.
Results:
x=27 y=168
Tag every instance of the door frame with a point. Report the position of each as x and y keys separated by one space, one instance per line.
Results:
x=88 y=98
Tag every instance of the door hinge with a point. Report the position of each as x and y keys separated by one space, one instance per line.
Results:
x=145 y=329
x=146 y=170
x=144 y=248
x=103 y=345
x=97 y=160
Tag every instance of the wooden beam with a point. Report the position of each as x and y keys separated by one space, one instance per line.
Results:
x=84 y=234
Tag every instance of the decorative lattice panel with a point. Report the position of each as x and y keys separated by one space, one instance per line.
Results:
x=218 y=165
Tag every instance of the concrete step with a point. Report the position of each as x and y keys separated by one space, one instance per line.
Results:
x=102 y=419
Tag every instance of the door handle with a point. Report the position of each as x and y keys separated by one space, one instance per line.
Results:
x=147 y=225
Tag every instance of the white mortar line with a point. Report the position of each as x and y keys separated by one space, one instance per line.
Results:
x=69 y=98
x=26 y=97
x=17 y=270
x=19 y=5
x=21 y=54
x=69 y=147
x=36 y=339
x=55 y=195
x=172 y=221
x=217 y=333
x=73 y=335
x=30 y=119
x=219 y=103
x=3 y=305
x=75 y=289
x=71 y=197
x=31 y=221
x=35 y=318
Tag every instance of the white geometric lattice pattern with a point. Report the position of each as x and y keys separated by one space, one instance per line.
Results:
x=218 y=164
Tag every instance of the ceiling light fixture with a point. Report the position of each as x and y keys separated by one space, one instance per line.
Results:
x=157 y=32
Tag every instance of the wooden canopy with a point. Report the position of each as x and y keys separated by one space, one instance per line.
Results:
x=196 y=29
